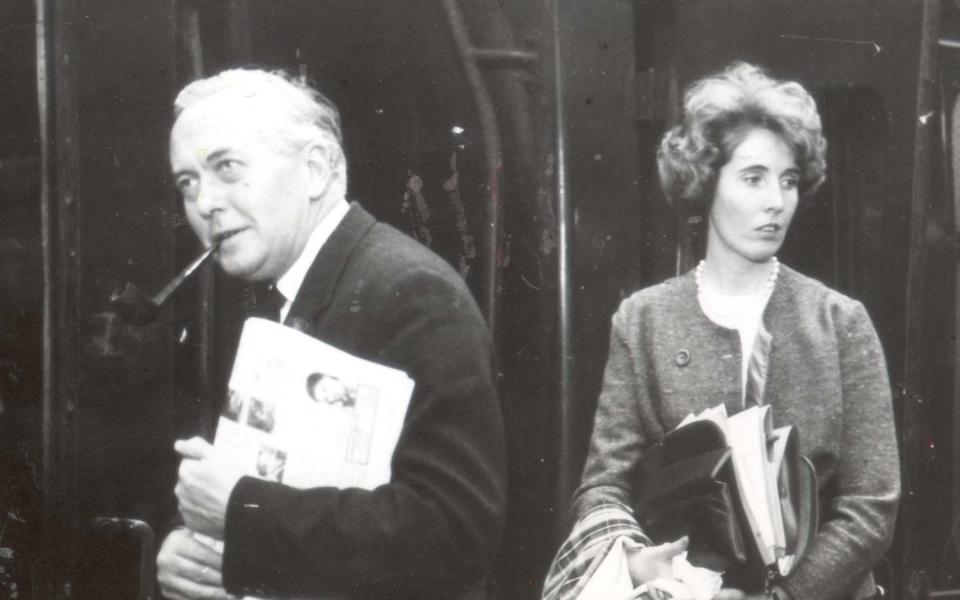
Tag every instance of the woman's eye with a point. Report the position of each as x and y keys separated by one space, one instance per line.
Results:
x=789 y=183
x=752 y=179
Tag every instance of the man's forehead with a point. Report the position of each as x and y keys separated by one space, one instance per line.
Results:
x=223 y=121
x=232 y=109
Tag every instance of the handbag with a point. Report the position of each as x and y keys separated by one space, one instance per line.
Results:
x=687 y=485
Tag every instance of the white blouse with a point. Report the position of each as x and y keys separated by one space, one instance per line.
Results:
x=742 y=312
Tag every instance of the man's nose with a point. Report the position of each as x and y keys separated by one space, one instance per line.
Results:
x=209 y=198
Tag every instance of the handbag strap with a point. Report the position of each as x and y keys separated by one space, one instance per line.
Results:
x=808 y=512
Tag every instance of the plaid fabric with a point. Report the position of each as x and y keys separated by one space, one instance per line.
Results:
x=592 y=536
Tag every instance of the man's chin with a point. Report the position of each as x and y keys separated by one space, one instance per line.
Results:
x=241 y=269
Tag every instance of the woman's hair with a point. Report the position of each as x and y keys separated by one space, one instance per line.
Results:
x=718 y=112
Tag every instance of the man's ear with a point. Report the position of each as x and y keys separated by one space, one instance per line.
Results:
x=323 y=160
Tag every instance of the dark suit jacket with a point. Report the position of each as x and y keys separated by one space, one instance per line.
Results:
x=377 y=294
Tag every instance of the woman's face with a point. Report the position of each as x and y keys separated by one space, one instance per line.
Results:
x=755 y=200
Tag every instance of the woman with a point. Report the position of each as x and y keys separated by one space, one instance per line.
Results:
x=740 y=329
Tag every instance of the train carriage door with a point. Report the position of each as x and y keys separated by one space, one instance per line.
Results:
x=939 y=453
x=21 y=300
x=114 y=395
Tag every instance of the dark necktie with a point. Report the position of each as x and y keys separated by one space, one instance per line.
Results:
x=269 y=301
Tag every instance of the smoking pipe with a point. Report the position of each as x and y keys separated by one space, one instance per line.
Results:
x=137 y=308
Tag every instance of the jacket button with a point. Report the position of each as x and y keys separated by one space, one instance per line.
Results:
x=683 y=358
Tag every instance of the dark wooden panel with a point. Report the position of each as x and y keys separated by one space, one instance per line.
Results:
x=602 y=161
x=126 y=225
x=112 y=406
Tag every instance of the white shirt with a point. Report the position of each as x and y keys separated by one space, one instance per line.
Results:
x=290 y=282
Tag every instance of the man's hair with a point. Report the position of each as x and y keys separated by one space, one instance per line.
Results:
x=718 y=112
x=307 y=112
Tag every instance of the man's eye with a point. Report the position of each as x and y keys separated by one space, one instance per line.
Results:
x=187 y=186
x=227 y=167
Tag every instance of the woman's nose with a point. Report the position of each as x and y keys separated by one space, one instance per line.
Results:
x=775 y=198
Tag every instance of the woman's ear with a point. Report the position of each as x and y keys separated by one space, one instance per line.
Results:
x=323 y=167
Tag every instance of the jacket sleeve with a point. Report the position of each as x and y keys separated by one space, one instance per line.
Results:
x=618 y=435
x=585 y=548
x=431 y=529
x=602 y=504
x=859 y=505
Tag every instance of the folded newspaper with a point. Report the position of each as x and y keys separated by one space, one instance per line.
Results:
x=307 y=414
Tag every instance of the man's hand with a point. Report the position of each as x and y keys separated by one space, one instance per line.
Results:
x=652 y=562
x=206 y=480
x=188 y=569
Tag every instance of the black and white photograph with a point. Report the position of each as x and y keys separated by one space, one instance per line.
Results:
x=324 y=387
x=260 y=414
x=233 y=407
x=270 y=463
x=480 y=299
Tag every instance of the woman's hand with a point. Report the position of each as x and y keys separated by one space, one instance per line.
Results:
x=652 y=562
x=732 y=594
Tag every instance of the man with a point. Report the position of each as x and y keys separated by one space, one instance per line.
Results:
x=258 y=159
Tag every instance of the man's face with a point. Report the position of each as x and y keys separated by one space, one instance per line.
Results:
x=241 y=186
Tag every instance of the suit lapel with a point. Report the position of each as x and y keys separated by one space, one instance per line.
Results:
x=319 y=285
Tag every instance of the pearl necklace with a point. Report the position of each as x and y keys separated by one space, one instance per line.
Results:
x=767 y=287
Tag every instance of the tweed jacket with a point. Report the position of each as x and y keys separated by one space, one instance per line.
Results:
x=827 y=376
x=376 y=293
